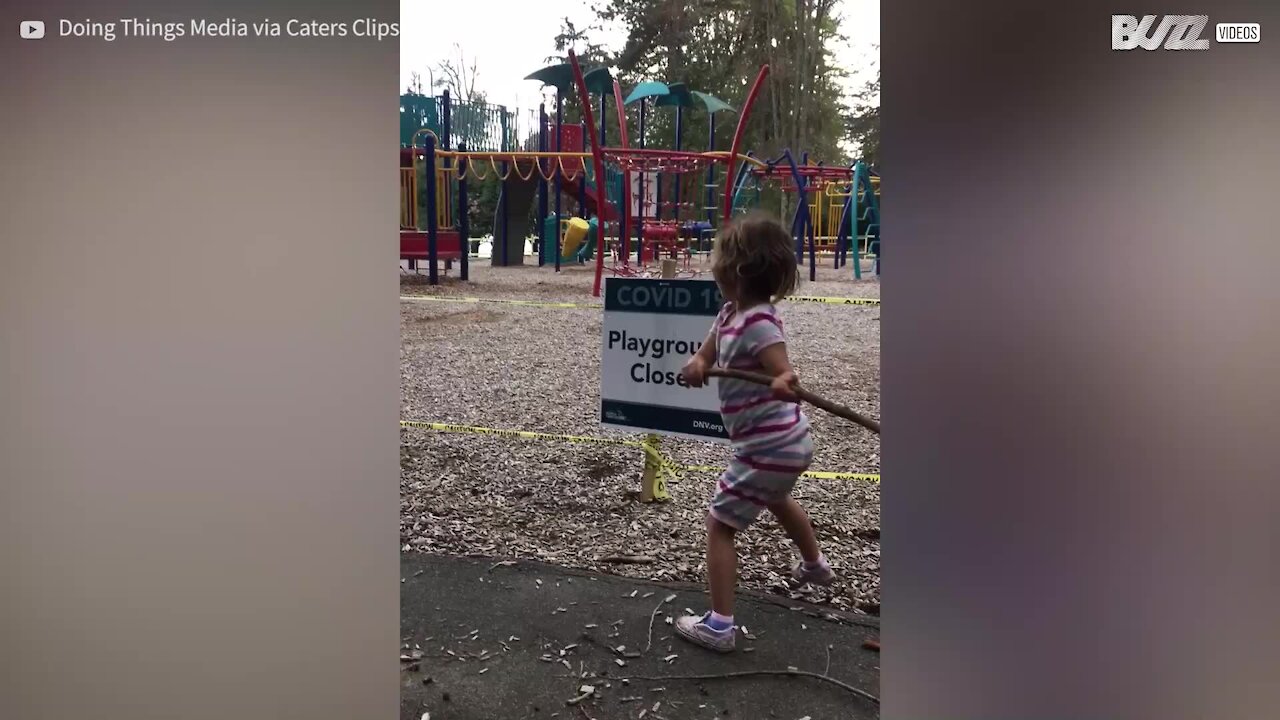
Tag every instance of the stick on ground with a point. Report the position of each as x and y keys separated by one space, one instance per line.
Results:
x=629 y=559
x=752 y=673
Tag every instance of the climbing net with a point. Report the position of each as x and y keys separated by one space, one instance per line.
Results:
x=654 y=236
x=813 y=176
x=658 y=161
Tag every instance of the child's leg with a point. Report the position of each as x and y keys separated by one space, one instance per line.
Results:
x=795 y=521
x=722 y=566
x=814 y=567
x=730 y=511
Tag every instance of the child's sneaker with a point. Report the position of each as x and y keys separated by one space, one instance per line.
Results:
x=696 y=630
x=819 y=573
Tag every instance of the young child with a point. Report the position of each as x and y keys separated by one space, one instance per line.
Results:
x=755 y=266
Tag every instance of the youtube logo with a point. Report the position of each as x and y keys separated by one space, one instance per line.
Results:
x=31 y=29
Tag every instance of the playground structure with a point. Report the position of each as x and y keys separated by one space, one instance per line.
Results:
x=855 y=227
x=837 y=208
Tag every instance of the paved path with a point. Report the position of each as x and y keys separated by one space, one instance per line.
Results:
x=485 y=629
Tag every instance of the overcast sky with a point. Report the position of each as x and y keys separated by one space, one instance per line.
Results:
x=508 y=39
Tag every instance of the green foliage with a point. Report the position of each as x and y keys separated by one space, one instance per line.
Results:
x=863 y=122
x=718 y=46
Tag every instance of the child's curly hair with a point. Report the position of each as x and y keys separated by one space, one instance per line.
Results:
x=755 y=260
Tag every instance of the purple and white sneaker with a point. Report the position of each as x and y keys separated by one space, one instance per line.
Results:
x=698 y=631
x=819 y=574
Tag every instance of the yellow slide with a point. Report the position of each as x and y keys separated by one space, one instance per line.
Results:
x=574 y=236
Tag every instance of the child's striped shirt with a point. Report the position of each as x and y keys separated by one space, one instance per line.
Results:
x=754 y=419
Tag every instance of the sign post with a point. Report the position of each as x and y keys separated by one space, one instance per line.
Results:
x=651 y=327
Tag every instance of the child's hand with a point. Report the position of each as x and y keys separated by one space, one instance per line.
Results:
x=695 y=372
x=782 y=386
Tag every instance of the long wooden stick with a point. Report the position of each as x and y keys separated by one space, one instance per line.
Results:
x=815 y=400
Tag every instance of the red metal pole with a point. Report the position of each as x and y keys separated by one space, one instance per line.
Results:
x=737 y=140
x=597 y=158
x=624 y=216
x=622 y=114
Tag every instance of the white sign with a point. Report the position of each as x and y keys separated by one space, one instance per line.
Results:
x=651 y=328
x=643 y=206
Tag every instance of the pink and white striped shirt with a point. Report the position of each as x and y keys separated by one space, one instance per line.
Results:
x=754 y=419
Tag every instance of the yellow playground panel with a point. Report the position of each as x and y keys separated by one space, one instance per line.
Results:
x=409 y=184
x=827 y=209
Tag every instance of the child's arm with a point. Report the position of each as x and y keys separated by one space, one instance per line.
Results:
x=763 y=334
x=707 y=351
x=776 y=363
x=695 y=370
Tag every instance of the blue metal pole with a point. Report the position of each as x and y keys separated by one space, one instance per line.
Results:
x=675 y=179
x=559 y=139
x=432 y=229
x=657 y=195
x=542 y=186
x=711 y=168
x=603 y=120
x=446 y=137
x=643 y=197
x=446 y=120
x=603 y=143
x=505 y=201
x=464 y=222
x=803 y=221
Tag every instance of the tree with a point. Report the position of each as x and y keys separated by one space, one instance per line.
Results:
x=415 y=84
x=571 y=38
x=459 y=78
x=718 y=46
x=863 y=123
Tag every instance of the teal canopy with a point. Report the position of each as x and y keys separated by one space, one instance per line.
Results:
x=712 y=103
x=559 y=77
x=599 y=81
x=677 y=96
x=647 y=90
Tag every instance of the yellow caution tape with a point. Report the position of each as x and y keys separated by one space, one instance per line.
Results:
x=834 y=300
x=667 y=469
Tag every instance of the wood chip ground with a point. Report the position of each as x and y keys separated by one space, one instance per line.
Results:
x=530 y=368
